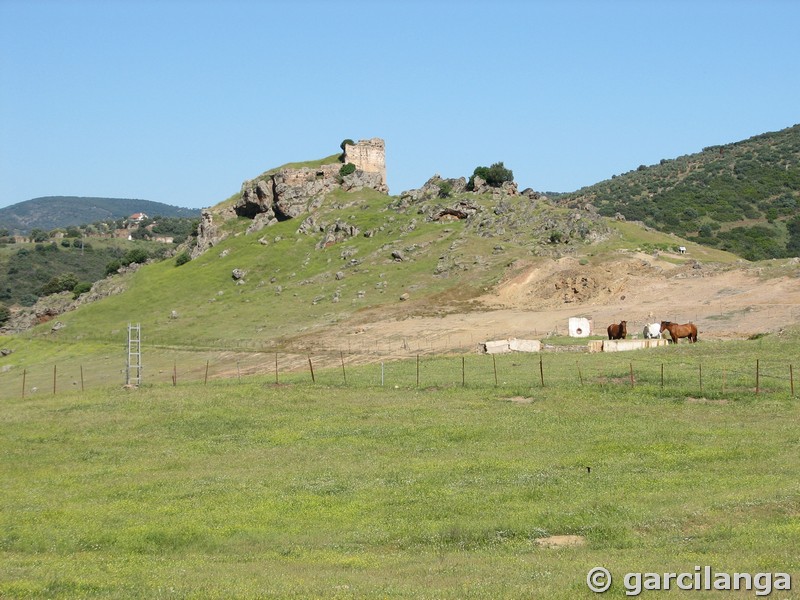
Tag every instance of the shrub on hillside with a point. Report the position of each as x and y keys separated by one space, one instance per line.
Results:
x=793 y=244
x=5 y=314
x=39 y=235
x=345 y=142
x=182 y=258
x=347 y=169
x=113 y=267
x=81 y=288
x=495 y=176
x=61 y=283
x=135 y=255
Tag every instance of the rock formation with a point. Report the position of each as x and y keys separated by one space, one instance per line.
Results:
x=207 y=233
x=289 y=192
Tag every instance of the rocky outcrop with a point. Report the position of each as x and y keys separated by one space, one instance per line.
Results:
x=435 y=187
x=291 y=192
x=440 y=188
x=208 y=234
x=338 y=232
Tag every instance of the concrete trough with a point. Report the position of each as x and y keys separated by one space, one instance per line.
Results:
x=495 y=347
x=625 y=345
x=512 y=345
x=525 y=345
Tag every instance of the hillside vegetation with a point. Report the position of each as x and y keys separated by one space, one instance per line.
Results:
x=29 y=271
x=51 y=212
x=742 y=197
x=293 y=282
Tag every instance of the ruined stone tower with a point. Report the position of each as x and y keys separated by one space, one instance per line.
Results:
x=368 y=156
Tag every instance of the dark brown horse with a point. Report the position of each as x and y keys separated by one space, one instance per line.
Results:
x=689 y=330
x=618 y=331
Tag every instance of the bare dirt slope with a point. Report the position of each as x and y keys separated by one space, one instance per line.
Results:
x=725 y=301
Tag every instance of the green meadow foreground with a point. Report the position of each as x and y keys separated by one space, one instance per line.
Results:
x=247 y=489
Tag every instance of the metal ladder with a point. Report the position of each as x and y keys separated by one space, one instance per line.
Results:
x=133 y=370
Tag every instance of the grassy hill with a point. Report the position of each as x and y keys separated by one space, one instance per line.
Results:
x=51 y=212
x=291 y=284
x=742 y=197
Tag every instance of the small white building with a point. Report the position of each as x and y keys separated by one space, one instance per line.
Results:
x=137 y=217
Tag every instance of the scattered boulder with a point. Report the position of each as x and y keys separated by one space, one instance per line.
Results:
x=338 y=232
x=238 y=274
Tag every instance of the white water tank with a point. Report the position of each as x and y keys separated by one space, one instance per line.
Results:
x=579 y=327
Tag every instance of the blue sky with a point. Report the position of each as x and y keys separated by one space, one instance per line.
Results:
x=180 y=101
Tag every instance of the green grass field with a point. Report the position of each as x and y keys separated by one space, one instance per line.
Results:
x=244 y=489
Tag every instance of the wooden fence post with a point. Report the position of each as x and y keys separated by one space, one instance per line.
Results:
x=494 y=366
x=82 y=378
x=791 y=380
x=24 y=376
x=631 y=368
x=580 y=375
x=463 y=372
x=276 y=368
x=344 y=373
x=417 y=370
x=662 y=375
x=701 y=377
x=311 y=367
x=54 y=380
x=205 y=379
x=541 y=370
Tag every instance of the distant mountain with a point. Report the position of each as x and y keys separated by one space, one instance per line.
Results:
x=52 y=212
x=742 y=197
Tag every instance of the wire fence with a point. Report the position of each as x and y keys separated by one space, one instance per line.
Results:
x=671 y=371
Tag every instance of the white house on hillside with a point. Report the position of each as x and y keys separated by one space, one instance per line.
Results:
x=137 y=218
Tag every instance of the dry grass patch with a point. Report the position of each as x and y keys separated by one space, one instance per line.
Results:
x=561 y=541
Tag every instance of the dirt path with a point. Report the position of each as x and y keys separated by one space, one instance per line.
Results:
x=725 y=302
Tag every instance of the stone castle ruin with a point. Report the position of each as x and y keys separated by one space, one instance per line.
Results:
x=368 y=156
x=287 y=193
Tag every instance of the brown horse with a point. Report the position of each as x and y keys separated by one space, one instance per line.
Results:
x=689 y=330
x=618 y=331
